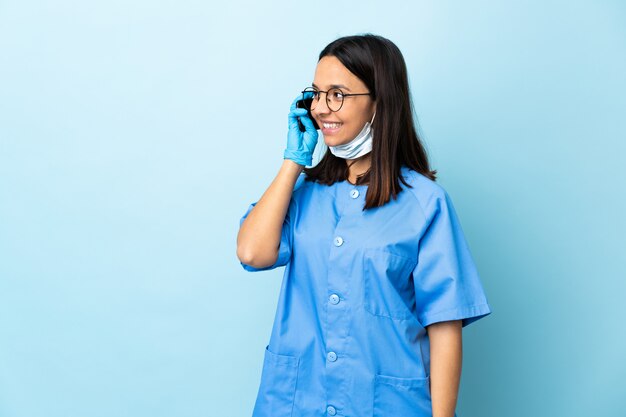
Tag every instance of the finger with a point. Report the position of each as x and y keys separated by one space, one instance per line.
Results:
x=295 y=114
x=308 y=123
x=298 y=113
x=303 y=96
x=293 y=103
x=293 y=118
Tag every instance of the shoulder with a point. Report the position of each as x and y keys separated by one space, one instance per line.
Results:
x=428 y=194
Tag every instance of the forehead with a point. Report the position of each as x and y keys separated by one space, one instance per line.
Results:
x=331 y=72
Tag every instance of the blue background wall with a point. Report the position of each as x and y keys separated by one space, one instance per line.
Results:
x=133 y=136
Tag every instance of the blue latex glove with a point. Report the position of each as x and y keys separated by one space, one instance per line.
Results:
x=300 y=145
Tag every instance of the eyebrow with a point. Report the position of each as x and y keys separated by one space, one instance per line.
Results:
x=333 y=86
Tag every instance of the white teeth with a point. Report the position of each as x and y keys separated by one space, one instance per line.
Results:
x=331 y=125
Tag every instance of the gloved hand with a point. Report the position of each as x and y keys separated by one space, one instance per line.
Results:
x=300 y=145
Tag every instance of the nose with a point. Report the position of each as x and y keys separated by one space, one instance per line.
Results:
x=321 y=107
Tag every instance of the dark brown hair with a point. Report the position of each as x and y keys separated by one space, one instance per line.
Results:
x=380 y=65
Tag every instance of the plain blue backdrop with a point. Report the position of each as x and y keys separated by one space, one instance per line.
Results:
x=134 y=135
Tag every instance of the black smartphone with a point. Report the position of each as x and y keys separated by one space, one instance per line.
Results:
x=300 y=105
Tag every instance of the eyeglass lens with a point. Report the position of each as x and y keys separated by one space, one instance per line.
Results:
x=334 y=98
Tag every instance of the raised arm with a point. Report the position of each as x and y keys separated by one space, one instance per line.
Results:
x=259 y=236
x=258 y=240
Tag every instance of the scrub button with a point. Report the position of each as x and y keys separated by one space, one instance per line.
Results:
x=338 y=241
x=332 y=356
x=331 y=410
x=334 y=299
x=354 y=193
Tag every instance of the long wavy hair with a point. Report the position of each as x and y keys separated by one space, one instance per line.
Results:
x=380 y=65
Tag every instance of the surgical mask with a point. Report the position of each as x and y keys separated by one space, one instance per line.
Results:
x=359 y=146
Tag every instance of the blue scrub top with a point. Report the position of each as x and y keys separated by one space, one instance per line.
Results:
x=358 y=290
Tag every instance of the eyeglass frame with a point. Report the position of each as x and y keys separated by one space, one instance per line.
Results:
x=334 y=88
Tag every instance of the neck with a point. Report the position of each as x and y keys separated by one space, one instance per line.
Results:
x=359 y=166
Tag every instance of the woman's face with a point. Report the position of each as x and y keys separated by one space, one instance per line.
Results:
x=355 y=111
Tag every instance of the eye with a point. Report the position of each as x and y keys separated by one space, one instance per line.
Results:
x=337 y=94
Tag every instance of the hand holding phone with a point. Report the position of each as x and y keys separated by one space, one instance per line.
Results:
x=302 y=135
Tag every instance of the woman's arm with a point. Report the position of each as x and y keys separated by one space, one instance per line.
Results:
x=258 y=239
x=446 y=354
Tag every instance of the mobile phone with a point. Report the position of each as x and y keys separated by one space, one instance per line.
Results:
x=300 y=105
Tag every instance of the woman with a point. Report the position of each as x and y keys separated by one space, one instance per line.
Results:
x=379 y=280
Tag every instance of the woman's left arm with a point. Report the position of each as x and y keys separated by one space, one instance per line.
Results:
x=446 y=354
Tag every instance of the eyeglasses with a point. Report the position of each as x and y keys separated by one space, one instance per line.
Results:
x=334 y=98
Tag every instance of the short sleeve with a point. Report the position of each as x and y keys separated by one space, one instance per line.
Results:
x=446 y=280
x=284 y=250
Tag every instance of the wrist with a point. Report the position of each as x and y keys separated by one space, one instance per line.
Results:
x=290 y=164
x=297 y=158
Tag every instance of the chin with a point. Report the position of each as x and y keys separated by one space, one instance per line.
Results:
x=334 y=140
